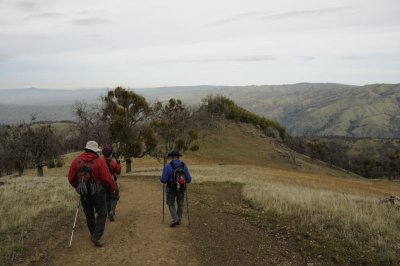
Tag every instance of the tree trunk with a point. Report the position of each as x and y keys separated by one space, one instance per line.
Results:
x=39 y=170
x=20 y=171
x=128 y=165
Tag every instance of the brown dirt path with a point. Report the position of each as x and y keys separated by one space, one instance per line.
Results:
x=220 y=233
x=224 y=233
x=137 y=237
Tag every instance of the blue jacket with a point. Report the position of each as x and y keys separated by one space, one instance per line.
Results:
x=168 y=173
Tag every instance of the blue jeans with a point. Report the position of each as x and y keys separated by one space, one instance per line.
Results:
x=176 y=215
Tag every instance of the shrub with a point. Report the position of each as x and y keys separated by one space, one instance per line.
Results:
x=224 y=106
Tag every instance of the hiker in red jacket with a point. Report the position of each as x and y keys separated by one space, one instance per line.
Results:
x=114 y=167
x=90 y=176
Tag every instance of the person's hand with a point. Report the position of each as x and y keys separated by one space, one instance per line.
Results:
x=118 y=161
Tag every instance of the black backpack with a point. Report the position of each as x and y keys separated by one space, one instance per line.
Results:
x=178 y=182
x=86 y=185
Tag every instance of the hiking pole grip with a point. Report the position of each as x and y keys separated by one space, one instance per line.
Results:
x=73 y=227
x=187 y=206
x=163 y=203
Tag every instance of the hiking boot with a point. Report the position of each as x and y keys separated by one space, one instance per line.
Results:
x=173 y=224
x=111 y=215
x=96 y=242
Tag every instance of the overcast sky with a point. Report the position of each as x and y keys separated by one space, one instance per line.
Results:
x=147 y=43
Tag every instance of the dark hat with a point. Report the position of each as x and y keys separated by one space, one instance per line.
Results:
x=107 y=150
x=174 y=154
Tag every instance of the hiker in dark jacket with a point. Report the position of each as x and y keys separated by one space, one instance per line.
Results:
x=172 y=192
x=114 y=167
x=94 y=199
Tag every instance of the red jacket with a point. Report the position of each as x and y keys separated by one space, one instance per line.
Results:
x=100 y=172
x=115 y=168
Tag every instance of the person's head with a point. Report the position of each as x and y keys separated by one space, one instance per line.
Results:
x=92 y=146
x=107 y=151
x=174 y=155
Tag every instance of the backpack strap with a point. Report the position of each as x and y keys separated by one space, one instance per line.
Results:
x=182 y=164
x=82 y=163
x=80 y=160
x=108 y=161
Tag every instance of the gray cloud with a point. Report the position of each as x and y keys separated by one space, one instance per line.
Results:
x=221 y=59
x=308 y=58
x=91 y=21
x=44 y=15
x=246 y=58
x=243 y=16
x=301 y=13
x=27 y=6
x=352 y=57
x=283 y=15
x=4 y=58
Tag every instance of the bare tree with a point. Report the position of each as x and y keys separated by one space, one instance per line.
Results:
x=26 y=145
x=42 y=145
x=91 y=123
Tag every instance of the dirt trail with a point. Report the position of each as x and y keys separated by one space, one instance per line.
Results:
x=137 y=237
x=222 y=232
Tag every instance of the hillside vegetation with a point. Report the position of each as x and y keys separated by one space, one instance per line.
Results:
x=317 y=109
x=331 y=216
x=312 y=109
x=371 y=158
x=326 y=215
x=366 y=111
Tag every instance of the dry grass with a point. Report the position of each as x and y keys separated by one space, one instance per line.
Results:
x=360 y=219
x=342 y=213
x=23 y=199
x=335 y=207
x=31 y=208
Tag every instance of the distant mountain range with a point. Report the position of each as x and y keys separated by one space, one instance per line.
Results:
x=322 y=109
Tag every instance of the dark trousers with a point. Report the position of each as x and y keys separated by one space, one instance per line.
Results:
x=97 y=203
x=112 y=199
x=179 y=196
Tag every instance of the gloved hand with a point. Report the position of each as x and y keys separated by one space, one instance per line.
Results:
x=118 y=161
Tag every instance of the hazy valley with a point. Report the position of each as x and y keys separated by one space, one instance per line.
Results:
x=304 y=108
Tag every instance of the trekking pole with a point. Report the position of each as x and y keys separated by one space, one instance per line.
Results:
x=73 y=227
x=187 y=205
x=163 y=189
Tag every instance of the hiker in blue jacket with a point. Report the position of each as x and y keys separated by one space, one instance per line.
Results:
x=176 y=175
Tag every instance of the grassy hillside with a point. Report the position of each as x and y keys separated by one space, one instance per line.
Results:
x=319 y=109
x=329 y=215
x=322 y=109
